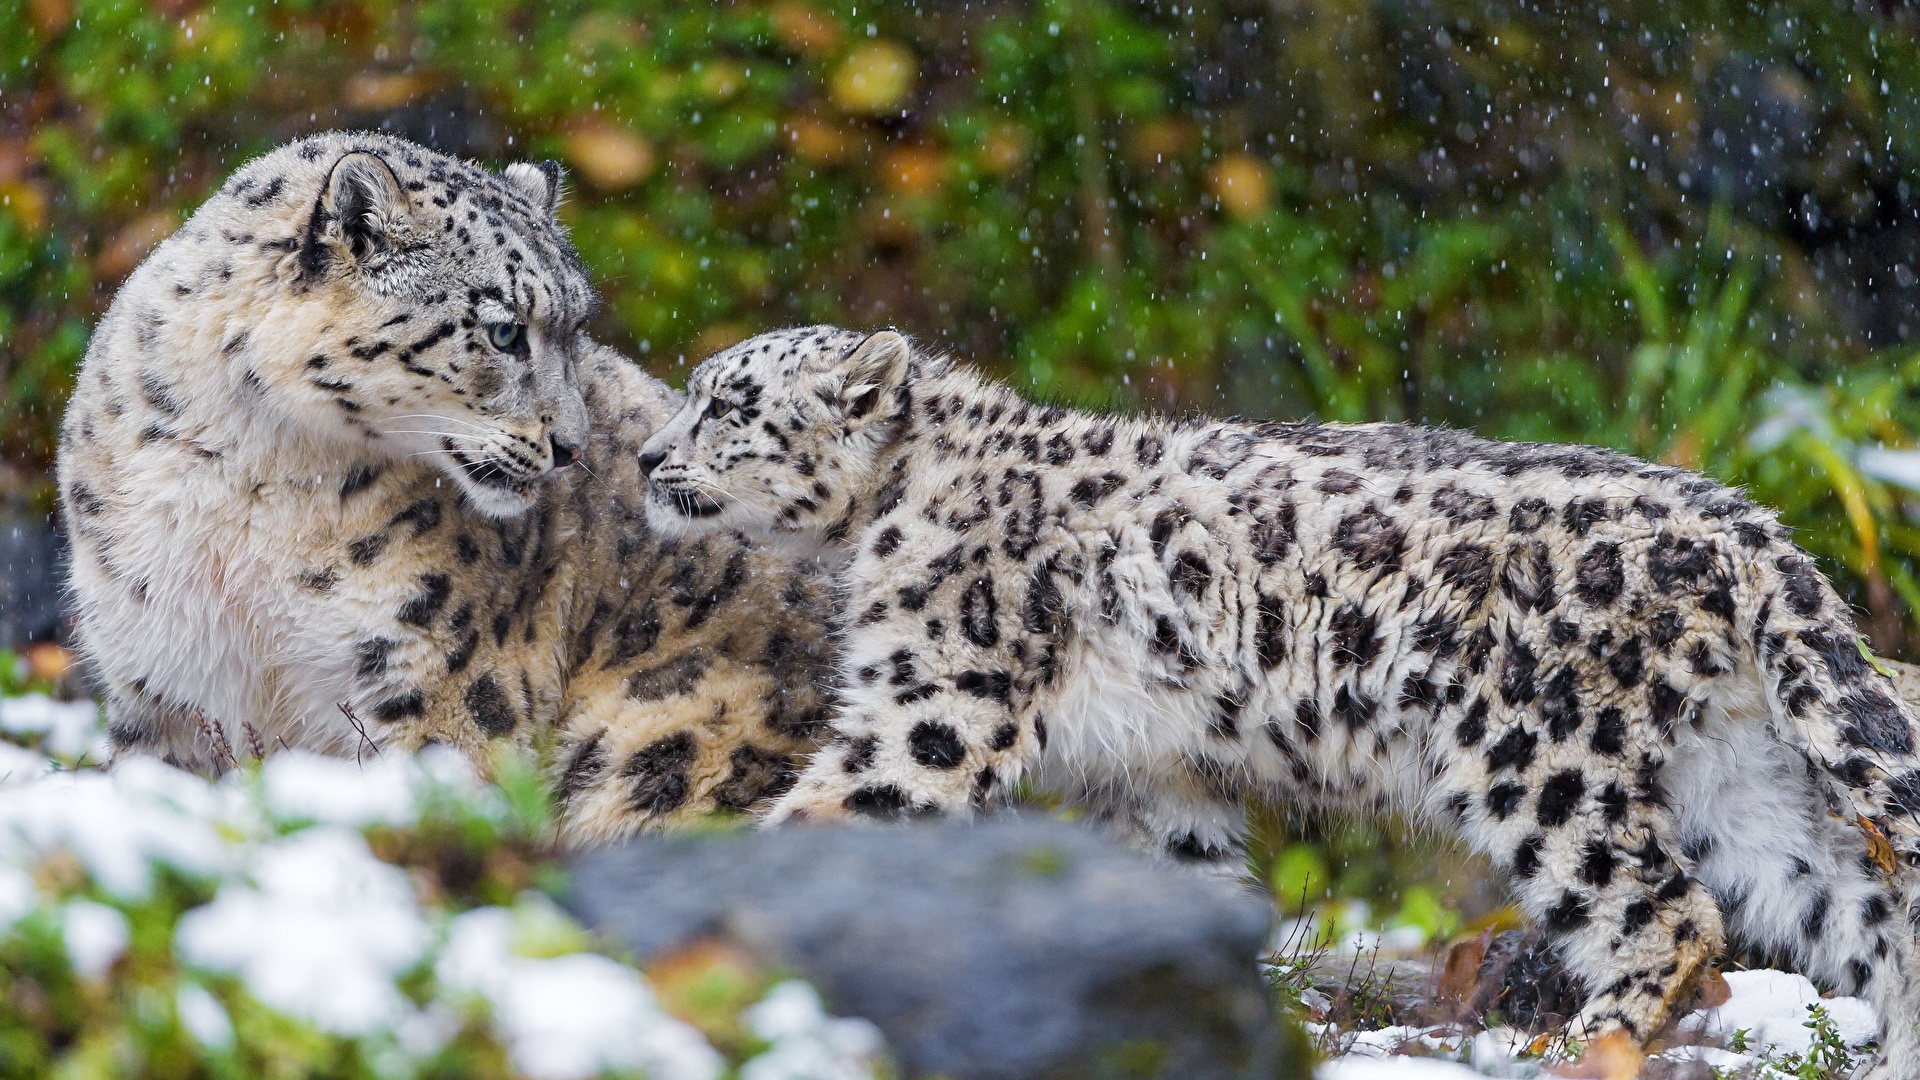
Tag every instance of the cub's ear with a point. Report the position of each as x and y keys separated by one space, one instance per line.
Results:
x=539 y=181
x=364 y=208
x=875 y=366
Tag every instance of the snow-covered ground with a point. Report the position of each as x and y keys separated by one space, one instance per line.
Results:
x=1767 y=1022
x=315 y=926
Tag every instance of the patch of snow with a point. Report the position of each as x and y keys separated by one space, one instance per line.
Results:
x=203 y=1016
x=17 y=895
x=67 y=729
x=1381 y=1042
x=117 y=825
x=1399 y=941
x=96 y=935
x=569 y=1017
x=807 y=1043
x=1787 y=410
x=1498 y=1050
x=321 y=933
x=1771 y=1006
x=319 y=929
x=19 y=764
x=303 y=786
x=1360 y=1067
x=1900 y=467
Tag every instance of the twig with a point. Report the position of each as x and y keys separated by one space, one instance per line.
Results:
x=223 y=758
x=346 y=710
x=254 y=742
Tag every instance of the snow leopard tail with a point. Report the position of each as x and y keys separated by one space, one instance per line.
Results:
x=1845 y=710
x=1831 y=697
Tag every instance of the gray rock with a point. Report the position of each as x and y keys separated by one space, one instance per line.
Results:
x=31 y=556
x=1020 y=947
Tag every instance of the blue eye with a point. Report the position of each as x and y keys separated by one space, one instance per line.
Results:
x=719 y=409
x=507 y=336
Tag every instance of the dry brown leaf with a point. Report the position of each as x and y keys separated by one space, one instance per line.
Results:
x=913 y=170
x=805 y=29
x=1243 y=184
x=1460 y=975
x=1879 y=848
x=608 y=156
x=374 y=91
x=719 y=336
x=50 y=17
x=1005 y=149
x=1158 y=141
x=131 y=244
x=25 y=200
x=1714 y=991
x=825 y=141
x=47 y=660
x=1614 y=1056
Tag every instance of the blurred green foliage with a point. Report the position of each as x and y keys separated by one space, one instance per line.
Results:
x=1655 y=226
x=1682 y=230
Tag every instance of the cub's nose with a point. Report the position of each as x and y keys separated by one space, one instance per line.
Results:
x=650 y=460
x=564 y=453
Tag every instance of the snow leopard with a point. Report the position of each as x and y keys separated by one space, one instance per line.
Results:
x=1619 y=680
x=343 y=471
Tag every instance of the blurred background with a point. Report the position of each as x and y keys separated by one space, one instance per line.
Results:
x=1684 y=230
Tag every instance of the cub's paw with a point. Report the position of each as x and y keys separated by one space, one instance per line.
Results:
x=826 y=793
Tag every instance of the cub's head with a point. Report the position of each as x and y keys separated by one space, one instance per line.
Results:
x=780 y=434
x=411 y=304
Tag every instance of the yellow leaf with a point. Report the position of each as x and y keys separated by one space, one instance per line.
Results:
x=1879 y=848
x=805 y=29
x=608 y=156
x=874 y=79
x=1243 y=185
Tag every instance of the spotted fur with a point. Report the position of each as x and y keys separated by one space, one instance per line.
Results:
x=1619 y=680
x=316 y=475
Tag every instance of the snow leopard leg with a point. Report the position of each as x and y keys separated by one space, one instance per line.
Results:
x=697 y=684
x=1792 y=879
x=1813 y=895
x=142 y=722
x=1830 y=700
x=1633 y=925
x=1171 y=817
x=684 y=736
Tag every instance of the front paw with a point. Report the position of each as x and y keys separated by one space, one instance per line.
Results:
x=829 y=794
x=799 y=807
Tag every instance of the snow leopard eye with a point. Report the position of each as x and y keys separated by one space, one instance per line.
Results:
x=508 y=337
x=718 y=409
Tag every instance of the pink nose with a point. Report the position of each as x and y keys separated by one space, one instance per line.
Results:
x=564 y=453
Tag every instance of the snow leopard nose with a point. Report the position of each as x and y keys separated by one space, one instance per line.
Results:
x=564 y=453
x=650 y=460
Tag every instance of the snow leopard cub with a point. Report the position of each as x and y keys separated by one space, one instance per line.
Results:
x=1619 y=680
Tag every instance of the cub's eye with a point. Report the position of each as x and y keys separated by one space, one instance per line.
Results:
x=719 y=409
x=507 y=336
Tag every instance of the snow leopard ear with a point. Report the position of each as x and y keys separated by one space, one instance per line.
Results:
x=539 y=181
x=875 y=366
x=363 y=209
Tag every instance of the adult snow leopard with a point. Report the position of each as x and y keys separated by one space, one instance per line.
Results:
x=1619 y=680
x=343 y=471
